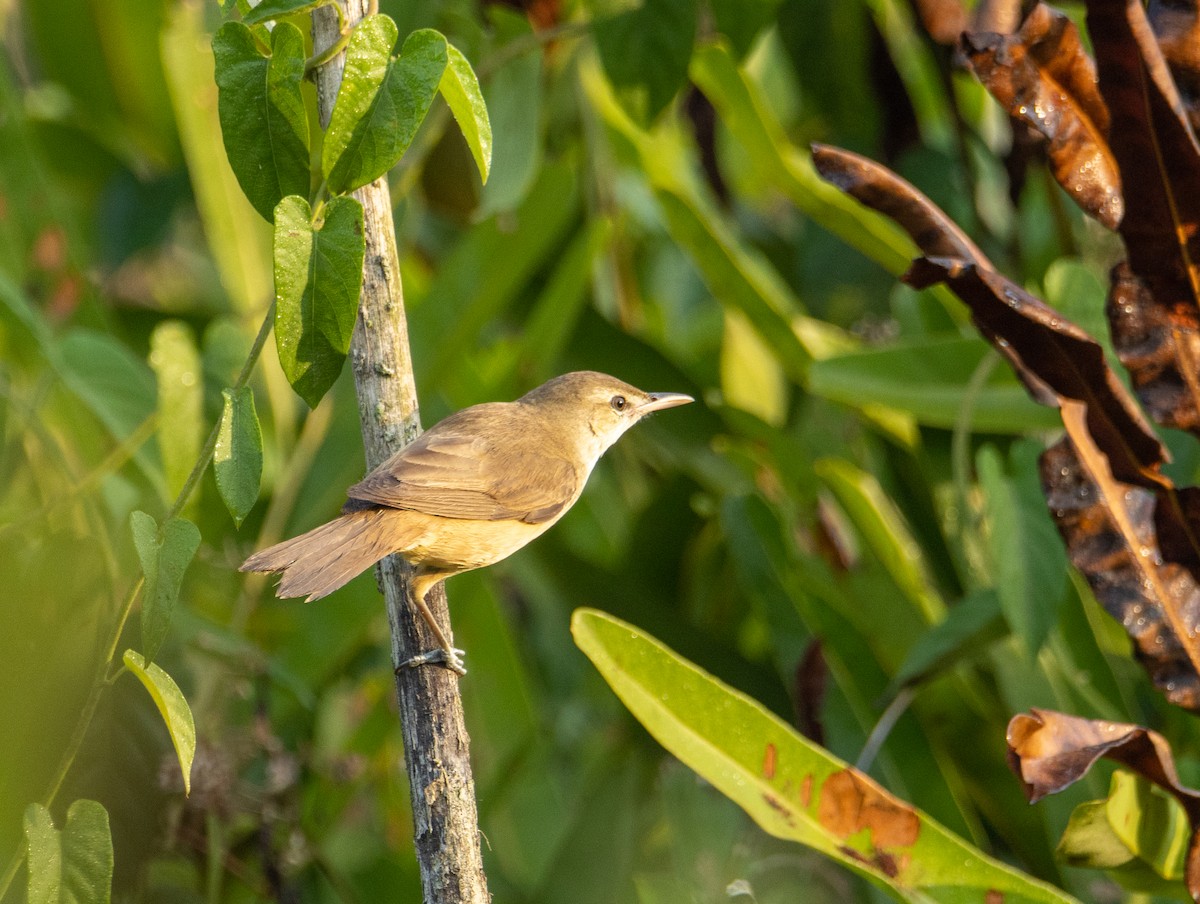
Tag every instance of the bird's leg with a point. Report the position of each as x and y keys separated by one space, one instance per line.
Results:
x=447 y=655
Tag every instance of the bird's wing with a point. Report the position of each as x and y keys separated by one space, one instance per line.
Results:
x=457 y=470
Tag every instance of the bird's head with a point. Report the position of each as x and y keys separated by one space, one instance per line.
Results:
x=598 y=407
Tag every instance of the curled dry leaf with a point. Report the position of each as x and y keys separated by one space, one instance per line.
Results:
x=1153 y=305
x=1138 y=552
x=1110 y=534
x=1050 y=750
x=944 y=20
x=1044 y=78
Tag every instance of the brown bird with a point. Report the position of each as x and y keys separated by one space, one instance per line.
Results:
x=470 y=491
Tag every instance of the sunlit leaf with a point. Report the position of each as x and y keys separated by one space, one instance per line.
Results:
x=71 y=866
x=318 y=278
x=460 y=88
x=172 y=706
x=791 y=787
x=514 y=108
x=263 y=117
x=382 y=101
x=238 y=458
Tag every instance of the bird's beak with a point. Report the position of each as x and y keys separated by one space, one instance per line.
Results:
x=660 y=400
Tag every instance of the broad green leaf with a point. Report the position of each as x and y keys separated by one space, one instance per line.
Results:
x=1139 y=831
x=263 y=118
x=791 y=787
x=73 y=866
x=928 y=379
x=645 y=52
x=741 y=21
x=165 y=556
x=173 y=708
x=882 y=526
x=382 y=101
x=514 y=108
x=238 y=458
x=179 y=373
x=277 y=9
x=1030 y=567
x=318 y=279
x=233 y=230
x=460 y=88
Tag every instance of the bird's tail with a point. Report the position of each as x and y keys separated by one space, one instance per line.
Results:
x=319 y=562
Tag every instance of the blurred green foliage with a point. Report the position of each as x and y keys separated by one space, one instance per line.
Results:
x=825 y=489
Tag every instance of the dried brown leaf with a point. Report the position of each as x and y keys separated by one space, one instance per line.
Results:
x=1051 y=750
x=1043 y=77
x=1157 y=153
x=1111 y=538
x=1176 y=24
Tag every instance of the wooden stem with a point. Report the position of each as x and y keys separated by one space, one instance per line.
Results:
x=436 y=746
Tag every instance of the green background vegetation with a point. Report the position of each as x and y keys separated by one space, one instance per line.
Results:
x=860 y=464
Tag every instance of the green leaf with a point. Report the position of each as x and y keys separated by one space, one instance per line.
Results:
x=460 y=88
x=318 y=279
x=165 y=557
x=173 y=708
x=73 y=866
x=263 y=117
x=928 y=379
x=791 y=787
x=176 y=365
x=238 y=458
x=1139 y=831
x=882 y=526
x=277 y=9
x=1027 y=554
x=645 y=53
x=382 y=101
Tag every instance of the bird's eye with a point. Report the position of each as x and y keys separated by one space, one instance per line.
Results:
x=618 y=402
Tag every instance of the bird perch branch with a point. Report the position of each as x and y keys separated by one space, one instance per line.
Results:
x=436 y=746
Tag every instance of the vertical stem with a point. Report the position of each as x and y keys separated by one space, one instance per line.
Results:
x=436 y=747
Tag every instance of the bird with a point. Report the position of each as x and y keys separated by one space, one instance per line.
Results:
x=468 y=492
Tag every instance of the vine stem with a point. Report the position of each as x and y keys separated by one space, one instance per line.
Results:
x=436 y=747
x=103 y=680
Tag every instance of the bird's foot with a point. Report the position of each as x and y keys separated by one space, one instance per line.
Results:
x=449 y=658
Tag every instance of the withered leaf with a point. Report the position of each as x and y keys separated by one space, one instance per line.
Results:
x=1157 y=154
x=1042 y=76
x=1050 y=750
x=1111 y=537
x=1177 y=27
x=1051 y=355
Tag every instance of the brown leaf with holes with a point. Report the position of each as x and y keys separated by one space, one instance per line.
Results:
x=1049 y=751
x=1043 y=77
x=1051 y=355
x=1111 y=538
x=1143 y=565
x=1155 y=299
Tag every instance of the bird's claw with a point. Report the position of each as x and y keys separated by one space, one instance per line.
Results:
x=451 y=659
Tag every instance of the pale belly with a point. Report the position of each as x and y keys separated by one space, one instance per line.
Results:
x=453 y=545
